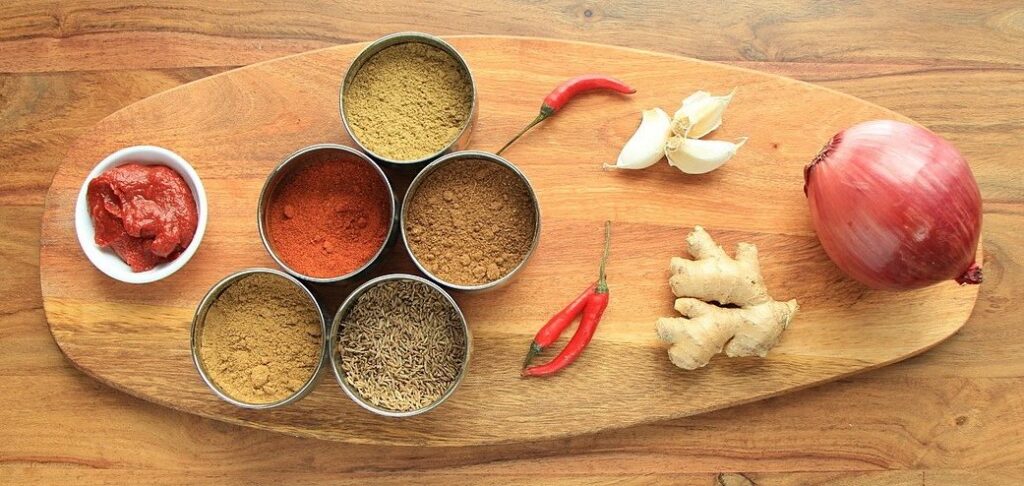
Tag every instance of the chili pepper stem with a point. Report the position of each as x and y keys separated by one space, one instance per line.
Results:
x=545 y=112
x=535 y=349
x=602 y=283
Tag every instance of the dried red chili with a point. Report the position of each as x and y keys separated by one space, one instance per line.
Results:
x=568 y=90
x=330 y=216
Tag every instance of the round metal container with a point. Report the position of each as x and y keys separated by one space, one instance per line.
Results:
x=297 y=159
x=452 y=158
x=339 y=373
x=200 y=318
x=460 y=142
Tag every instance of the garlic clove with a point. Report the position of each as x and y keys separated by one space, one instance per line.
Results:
x=681 y=118
x=694 y=156
x=647 y=145
x=700 y=114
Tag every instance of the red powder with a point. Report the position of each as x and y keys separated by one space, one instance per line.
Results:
x=330 y=216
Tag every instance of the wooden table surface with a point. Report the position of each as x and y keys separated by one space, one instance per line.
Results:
x=952 y=416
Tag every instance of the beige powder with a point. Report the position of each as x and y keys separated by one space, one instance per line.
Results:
x=261 y=339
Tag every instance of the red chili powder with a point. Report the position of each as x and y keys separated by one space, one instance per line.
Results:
x=330 y=216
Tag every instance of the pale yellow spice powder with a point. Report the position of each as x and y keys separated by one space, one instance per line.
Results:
x=408 y=101
x=261 y=339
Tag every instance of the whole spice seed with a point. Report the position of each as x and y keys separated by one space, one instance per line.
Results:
x=330 y=216
x=402 y=345
x=408 y=101
x=261 y=339
x=471 y=222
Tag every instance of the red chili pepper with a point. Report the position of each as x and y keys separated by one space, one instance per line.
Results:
x=568 y=90
x=557 y=324
x=588 y=82
x=592 y=312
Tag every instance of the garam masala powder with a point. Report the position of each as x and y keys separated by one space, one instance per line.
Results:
x=471 y=221
x=261 y=339
x=408 y=101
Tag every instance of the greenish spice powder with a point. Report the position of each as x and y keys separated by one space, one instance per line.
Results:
x=408 y=101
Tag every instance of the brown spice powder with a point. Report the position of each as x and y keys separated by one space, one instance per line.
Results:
x=261 y=339
x=471 y=222
x=408 y=101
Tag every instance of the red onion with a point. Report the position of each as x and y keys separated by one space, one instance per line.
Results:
x=895 y=206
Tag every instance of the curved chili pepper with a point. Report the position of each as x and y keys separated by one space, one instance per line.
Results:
x=568 y=90
x=557 y=324
x=588 y=82
x=595 y=307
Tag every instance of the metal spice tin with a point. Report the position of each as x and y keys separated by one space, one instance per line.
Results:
x=460 y=142
x=335 y=359
x=454 y=157
x=295 y=160
x=199 y=320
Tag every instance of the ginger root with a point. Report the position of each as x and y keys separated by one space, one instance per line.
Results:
x=750 y=329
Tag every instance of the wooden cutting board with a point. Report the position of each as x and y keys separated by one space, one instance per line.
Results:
x=234 y=127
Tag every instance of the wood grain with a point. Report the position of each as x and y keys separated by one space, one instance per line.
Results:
x=946 y=417
x=237 y=126
x=73 y=36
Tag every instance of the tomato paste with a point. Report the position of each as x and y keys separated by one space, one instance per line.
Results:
x=145 y=213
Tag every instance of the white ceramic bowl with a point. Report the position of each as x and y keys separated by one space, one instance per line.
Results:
x=105 y=259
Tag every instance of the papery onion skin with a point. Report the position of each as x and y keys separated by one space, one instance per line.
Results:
x=895 y=206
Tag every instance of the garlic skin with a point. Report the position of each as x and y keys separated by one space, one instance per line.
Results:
x=694 y=156
x=700 y=114
x=647 y=145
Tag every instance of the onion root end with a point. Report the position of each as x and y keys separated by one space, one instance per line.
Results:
x=971 y=276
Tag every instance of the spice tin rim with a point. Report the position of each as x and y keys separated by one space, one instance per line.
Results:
x=279 y=172
x=454 y=156
x=335 y=360
x=460 y=141
x=199 y=318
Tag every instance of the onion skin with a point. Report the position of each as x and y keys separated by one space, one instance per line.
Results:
x=895 y=206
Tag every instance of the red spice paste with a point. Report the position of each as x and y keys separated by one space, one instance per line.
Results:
x=145 y=213
x=330 y=216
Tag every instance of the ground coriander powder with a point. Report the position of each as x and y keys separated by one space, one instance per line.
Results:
x=261 y=339
x=471 y=221
x=408 y=101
